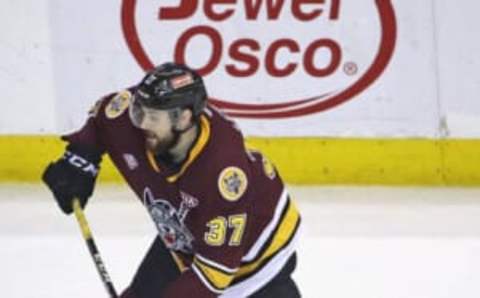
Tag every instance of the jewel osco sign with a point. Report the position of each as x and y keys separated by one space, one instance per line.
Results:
x=268 y=58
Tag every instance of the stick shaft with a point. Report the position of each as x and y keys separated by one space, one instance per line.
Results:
x=92 y=248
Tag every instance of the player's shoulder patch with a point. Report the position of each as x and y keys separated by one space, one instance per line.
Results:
x=232 y=183
x=118 y=104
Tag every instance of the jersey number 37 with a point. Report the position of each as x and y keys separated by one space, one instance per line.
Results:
x=219 y=227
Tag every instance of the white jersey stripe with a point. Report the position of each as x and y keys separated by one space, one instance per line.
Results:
x=204 y=280
x=267 y=232
x=267 y=273
x=216 y=265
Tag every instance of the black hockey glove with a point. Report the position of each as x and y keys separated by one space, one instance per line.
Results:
x=73 y=175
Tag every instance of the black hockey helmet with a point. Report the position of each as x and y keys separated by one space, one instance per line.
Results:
x=170 y=86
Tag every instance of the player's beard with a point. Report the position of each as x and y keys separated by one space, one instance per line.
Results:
x=160 y=146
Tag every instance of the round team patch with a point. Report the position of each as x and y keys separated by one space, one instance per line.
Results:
x=118 y=104
x=232 y=183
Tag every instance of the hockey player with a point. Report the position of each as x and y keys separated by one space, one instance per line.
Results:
x=227 y=226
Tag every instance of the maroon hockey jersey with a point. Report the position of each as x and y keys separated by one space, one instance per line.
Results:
x=224 y=212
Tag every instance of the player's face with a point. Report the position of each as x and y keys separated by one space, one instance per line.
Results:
x=156 y=125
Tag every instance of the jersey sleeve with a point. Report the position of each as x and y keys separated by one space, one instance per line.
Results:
x=224 y=226
x=185 y=285
x=88 y=134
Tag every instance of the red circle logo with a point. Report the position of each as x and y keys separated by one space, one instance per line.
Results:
x=293 y=107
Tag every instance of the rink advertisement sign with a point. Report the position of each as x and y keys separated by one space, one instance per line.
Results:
x=268 y=58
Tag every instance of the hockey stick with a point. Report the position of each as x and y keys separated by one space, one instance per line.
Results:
x=97 y=260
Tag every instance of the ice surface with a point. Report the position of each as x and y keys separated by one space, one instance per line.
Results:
x=365 y=242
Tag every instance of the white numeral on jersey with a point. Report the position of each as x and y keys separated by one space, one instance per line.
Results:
x=218 y=228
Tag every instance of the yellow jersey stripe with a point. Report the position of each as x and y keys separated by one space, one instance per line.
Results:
x=266 y=235
x=204 y=280
x=180 y=265
x=283 y=211
x=215 y=265
x=285 y=231
x=217 y=278
x=152 y=161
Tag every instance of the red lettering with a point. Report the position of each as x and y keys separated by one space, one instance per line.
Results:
x=272 y=51
x=246 y=51
x=217 y=16
x=217 y=47
x=184 y=10
x=306 y=16
x=252 y=8
x=187 y=8
x=335 y=10
x=336 y=57
x=250 y=60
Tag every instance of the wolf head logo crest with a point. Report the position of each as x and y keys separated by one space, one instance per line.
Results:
x=169 y=223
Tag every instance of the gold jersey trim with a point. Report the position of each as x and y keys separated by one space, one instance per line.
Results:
x=216 y=278
x=152 y=161
x=281 y=236
x=178 y=261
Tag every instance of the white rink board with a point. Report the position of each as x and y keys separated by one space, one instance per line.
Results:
x=72 y=54
x=358 y=242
